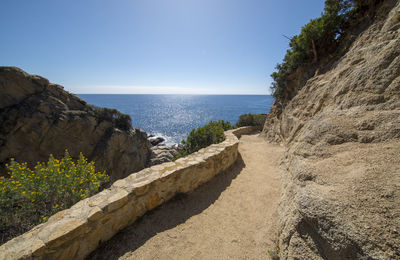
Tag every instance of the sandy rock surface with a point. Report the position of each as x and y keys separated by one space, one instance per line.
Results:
x=341 y=179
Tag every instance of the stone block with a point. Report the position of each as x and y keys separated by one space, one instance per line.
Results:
x=95 y=214
x=100 y=199
x=64 y=253
x=62 y=232
x=23 y=247
x=117 y=200
x=142 y=188
x=59 y=215
x=153 y=201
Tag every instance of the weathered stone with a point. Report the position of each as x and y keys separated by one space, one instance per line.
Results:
x=79 y=209
x=117 y=200
x=65 y=253
x=59 y=215
x=120 y=184
x=63 y=231
x=159 y=167
x=100 y=199
x=91 y=242
x=142 y=188
x=153 y=201
x=95 y=214
x=39 y=118
x=23 y=247
x=106 y=218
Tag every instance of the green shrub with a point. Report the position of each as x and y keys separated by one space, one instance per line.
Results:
x=251 y=120
x=201 y=137
x=225 y=125
x=28 y=197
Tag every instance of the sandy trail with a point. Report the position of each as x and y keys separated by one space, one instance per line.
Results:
x=233 y=216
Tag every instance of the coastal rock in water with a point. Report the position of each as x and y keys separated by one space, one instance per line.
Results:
x=156 y=140
x=340 y=176
x=38 y=118
x=162 y=153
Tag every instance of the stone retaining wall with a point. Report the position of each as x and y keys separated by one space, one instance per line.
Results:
x=74 y=233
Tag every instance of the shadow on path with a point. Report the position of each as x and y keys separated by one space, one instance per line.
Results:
x=168 y=215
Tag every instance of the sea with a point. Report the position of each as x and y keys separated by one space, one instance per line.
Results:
x=174 y=116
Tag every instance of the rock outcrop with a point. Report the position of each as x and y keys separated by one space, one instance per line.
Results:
x=38 y=118
x=162 y=154
x=156 y=140
x=341 y=173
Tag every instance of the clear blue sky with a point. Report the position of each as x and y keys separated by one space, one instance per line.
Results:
x=152 y=46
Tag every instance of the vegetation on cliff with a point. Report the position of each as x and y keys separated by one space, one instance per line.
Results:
x=340 y=195
x=118 y=119
x=318 y=40
x=28 y=197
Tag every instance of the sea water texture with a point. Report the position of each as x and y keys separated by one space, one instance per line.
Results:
x=174 y=116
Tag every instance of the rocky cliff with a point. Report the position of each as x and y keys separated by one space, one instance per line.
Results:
x=38 y=118
x=340 y=177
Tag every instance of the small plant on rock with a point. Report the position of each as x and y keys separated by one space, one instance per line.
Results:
x=273 y=253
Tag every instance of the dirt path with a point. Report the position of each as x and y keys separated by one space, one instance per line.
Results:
x=233 y=216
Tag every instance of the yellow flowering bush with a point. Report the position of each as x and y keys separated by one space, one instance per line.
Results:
x=28 y=197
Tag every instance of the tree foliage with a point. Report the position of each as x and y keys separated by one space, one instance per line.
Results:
x=317 y=39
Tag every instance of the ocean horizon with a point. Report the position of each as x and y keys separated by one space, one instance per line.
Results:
x=173 y=116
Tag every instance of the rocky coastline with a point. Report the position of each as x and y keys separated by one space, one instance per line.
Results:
x=161 y=152
x=39 y=118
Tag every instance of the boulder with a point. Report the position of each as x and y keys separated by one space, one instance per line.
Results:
x=156 y=140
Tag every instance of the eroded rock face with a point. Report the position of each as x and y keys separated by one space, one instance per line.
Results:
x=340 y=175
x=38 y=118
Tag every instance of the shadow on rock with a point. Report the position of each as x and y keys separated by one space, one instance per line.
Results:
x=168 y=215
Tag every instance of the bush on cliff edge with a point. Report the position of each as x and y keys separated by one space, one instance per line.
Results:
x=201 y=137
